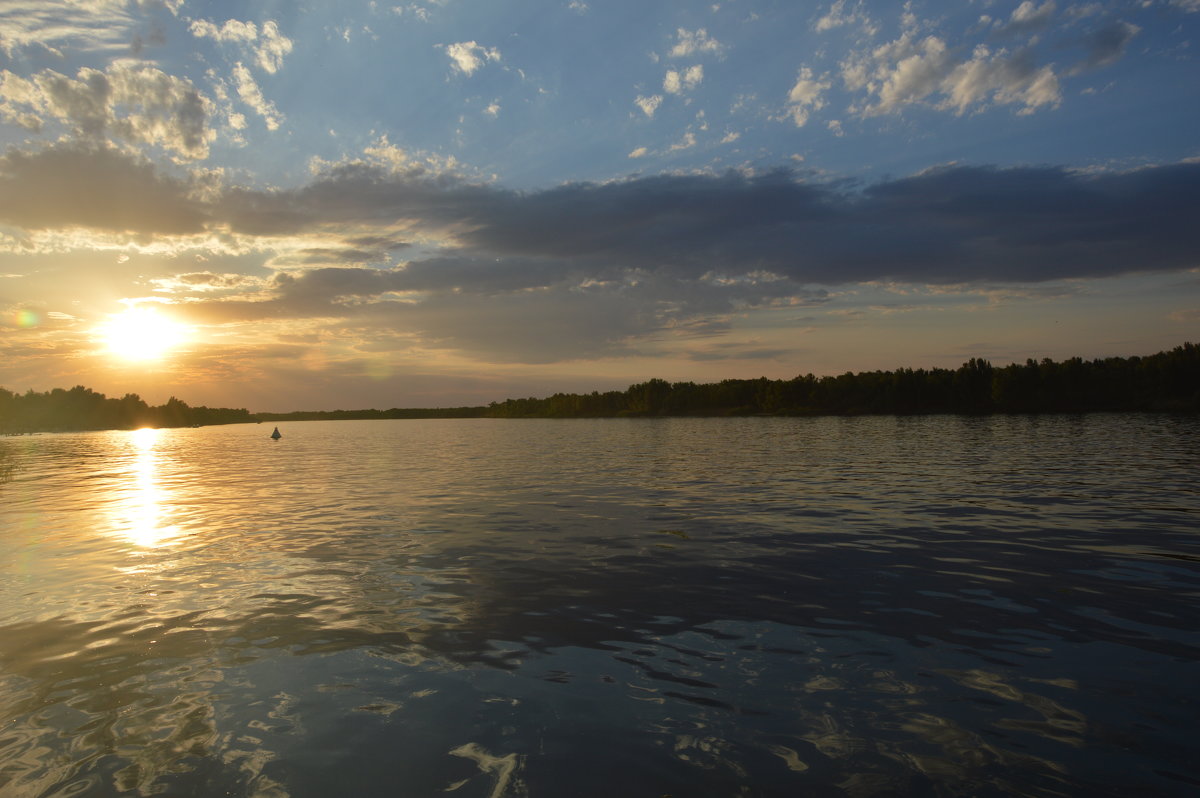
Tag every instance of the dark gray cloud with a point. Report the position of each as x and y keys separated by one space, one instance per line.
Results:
x=1106 y=44
x=589 y=269
x=97 y=188
x=946 y=226
x=358 y=197
x=949 y=225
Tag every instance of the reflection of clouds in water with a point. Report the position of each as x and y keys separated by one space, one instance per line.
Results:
x=151 y=694
x=502 y=767
x=1058 y=722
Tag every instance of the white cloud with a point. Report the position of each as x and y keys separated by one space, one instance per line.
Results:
x=805 y=96
x=252 y=96
x=268 y=46
x=1030 y=12
x=231 y=31
x=578 y=6
x=908 y=71
x=640 y=152
x=99 y=25
x=1028 y=17
x=731 y=137
x=692 y=42
x=836 y=17
x=131 y=101
x=1005 y=80
x=493 y=110
x=835 y=127
x=273 y=47
x=688 y=141
x=470 y=56
x=649 y=104
x=679 y=82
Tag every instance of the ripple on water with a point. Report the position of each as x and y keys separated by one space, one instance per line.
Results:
x=866 y=606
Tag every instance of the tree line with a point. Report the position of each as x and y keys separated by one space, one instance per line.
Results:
x=1167 y=381
x=82 y=408
x=395 y=412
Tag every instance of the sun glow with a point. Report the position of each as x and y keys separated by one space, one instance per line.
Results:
x=142 y=334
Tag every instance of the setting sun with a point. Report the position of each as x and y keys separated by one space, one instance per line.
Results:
x=141 y=334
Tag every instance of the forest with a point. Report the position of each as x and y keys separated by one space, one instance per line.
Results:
x=1167 y=381
x=81 y=408
x=1164 y=382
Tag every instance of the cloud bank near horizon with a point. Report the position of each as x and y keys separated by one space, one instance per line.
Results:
x=590 y=269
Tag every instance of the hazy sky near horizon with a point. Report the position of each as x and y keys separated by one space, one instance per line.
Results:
x=371 y=204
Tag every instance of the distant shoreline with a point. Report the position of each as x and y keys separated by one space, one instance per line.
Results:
x=1164 y=382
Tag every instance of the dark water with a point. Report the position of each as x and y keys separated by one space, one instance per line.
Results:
x=766 y=607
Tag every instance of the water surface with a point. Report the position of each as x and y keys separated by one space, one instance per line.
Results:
x=693 y=607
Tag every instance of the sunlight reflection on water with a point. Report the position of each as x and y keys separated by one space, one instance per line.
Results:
x=697 y=606
x=137 y=511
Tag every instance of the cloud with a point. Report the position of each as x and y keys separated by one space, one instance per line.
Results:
x=205 y=284
x=952 y=224
x=1003 y=79
x=231 y=31
x=597 y=269
x=1107 y=44
x=907 y=71
x=96 y=188
x=253 y=97
x=694 y=42
x=104 y=27
x=466 y=57
x=1027 y=18
x=272 y=48
x=649 y=104
x=131 y=101
x=640 y=152
x=679 y=82
x=687 y=142
x=734 y=351
x=837 y=16
x=805 y=96
x=267 y=45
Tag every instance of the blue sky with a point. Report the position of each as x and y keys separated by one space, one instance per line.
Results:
x=375 y=204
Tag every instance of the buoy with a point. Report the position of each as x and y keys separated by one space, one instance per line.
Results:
x=275 y=435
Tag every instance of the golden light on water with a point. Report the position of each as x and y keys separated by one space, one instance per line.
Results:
x=141 y=334
x=140 y=510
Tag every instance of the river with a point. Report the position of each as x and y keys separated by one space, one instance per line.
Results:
x=877 y=606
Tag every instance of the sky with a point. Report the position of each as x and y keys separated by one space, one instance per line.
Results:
x=314 y=205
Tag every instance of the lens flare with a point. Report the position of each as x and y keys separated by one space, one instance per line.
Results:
x=27 y=319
